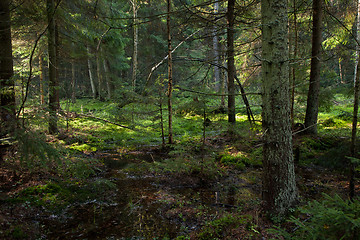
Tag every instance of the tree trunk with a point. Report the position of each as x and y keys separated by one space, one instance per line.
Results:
x=223 y=78
x=135 y=39
x=107 y=79
x=216 y=51
x=57 y=54
x=73 y=82
x=312 y=106
x=7 y=86
x=353 y=132
x=355 y=111
x=53 y=103
x=92 y=83
x=293 y=83
x=230 y=61
x=170 y=87
x=279 y=187
x=357 y=31
x=42 y=97
x=98 y=73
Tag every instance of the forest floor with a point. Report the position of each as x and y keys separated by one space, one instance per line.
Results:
x=197 y=191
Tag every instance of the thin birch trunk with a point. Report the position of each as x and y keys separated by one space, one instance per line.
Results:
x=92 y=83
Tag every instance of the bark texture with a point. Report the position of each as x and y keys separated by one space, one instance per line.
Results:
x=230 y=61
x=135 y=41
x=170 y=83
x=216 y=50
x=279 y=188
x=7 y=93
x=53 y=86
x=312 y=107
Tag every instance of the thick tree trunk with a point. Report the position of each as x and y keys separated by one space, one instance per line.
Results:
x=279 y=188
x=170 y=81
x=216 y=51
x=230 y=61
x=53 y=103
x=7 y=90
x=92 y=83
x=312 y=106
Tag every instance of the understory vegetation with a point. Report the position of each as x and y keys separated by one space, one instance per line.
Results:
x=108 y=170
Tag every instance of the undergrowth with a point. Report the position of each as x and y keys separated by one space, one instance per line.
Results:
x=331 y=218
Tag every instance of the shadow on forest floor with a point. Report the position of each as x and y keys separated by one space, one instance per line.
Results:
x=120 y=203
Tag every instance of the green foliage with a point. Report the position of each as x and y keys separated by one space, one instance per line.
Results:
x=235 y=161
x=331 y=218
x=16 y=232
x=57 y=195
x=217 y=229
x=35 y=152
x=241 y=160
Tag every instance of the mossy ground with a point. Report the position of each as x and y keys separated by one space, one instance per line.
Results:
x=205 y=188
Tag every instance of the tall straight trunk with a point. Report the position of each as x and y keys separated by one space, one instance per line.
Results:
x=170 y=81
x=53 y=103
x=216 y=51
x=341 y=72
x=73 y=82
x=135 y=41
x=279 y=187
x=57 y=50
x=231 y=61
x=358 y=40
x=107 y=79
x=41 y=85
x=353 y=132
x=92 y=83
x=7 y=86
x=312 y=107
x=293 y=65
x=355 y=111
x=223 y=78
x=98 y=73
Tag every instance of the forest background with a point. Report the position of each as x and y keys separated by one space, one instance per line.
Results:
x=185 y=76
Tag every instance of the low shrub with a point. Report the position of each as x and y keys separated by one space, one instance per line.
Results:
x=332 y=218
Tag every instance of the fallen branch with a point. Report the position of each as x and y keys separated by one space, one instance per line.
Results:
x=101 y=119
